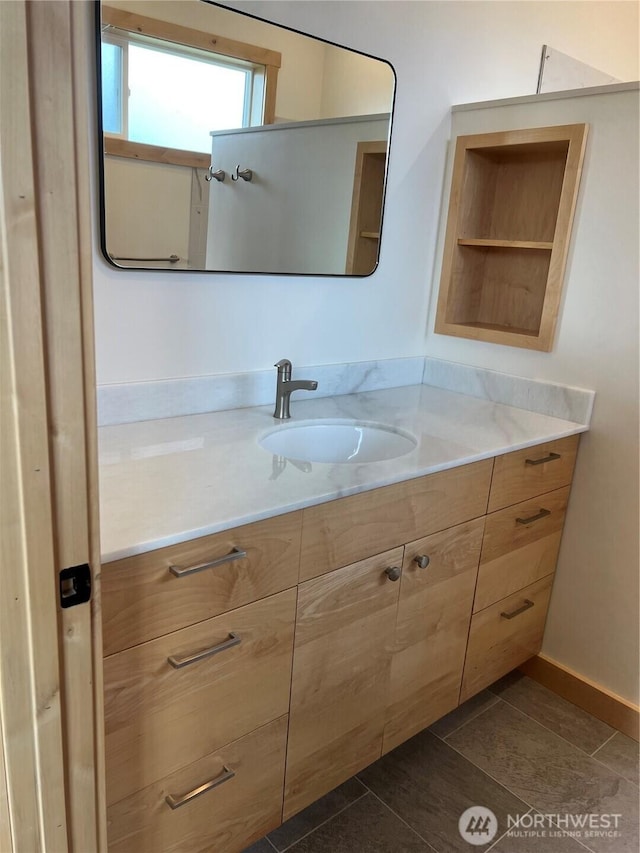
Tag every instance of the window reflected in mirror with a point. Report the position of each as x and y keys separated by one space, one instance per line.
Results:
x=231 y=144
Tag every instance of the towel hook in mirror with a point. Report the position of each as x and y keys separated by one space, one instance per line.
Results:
x=245 y=174
x=220 y=175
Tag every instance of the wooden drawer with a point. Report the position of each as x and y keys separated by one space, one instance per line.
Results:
x=520 y=546
x=497 y=643
x=431 y=629
x=350 y=529
x=159 y=718
x=344 y=638
x=143 y=599
x=223 y=819
x=523 y=474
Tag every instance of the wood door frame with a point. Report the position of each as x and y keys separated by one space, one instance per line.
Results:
x=51 y=790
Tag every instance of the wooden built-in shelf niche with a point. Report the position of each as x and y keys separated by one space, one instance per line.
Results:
x=513 y=195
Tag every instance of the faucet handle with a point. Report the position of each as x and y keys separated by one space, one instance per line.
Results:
x=283 y=365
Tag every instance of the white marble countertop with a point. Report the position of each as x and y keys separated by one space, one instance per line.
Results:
x=171 y=480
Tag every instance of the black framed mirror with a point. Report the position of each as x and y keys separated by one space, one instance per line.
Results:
x=232 y=144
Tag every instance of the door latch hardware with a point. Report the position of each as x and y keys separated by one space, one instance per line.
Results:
x=75 y=585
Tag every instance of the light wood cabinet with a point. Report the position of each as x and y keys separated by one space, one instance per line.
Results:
x=195 y=689
x=513 y=196
x=262 y=680
x=350 y=529
x=341 y=668
x=436 y=597
x=519 y=552
x=198 y=654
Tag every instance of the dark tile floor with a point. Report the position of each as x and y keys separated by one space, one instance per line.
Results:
x=516 y=749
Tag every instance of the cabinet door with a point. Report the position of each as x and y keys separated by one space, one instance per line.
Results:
x=432 y=627
x=341 y=665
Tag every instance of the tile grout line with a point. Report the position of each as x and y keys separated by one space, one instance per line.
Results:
x=477 y=766
x=444 y=738
x=532 y=807
x=611 y=770
x=311 y=831
x=504 y=834
x=513 y=793
x=577 y=840
x=474 y=717
x=598 y=748
x=493 y=778
x=555 y=826
x=395 y=814
x=583 y=751
x=575 y=746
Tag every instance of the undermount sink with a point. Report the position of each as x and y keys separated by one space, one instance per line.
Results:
x=338 y=441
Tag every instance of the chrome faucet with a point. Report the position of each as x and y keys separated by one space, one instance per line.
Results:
x=286 y=385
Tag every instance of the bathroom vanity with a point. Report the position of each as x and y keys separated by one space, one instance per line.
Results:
x=251 y=668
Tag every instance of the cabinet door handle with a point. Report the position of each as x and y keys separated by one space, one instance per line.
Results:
x=542 y=514
x=550 y=458
x=393 y=573
x=176 y=802
x=235 y=554
x=178 y=663
x=527 y=604
x=422 y=560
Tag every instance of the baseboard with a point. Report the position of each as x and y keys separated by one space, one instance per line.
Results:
x=594 y=698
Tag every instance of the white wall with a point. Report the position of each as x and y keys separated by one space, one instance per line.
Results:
x=152 y=326
x=443 y=53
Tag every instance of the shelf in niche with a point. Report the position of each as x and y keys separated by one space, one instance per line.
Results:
x=502 y=329
x=505 y=244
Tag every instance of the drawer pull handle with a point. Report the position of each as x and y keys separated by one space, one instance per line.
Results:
x=393 y=573
x=542 y=514
x=235 y=554
x=178 y=663
x=550 y=458
x=527 y=604
x=422 y=560
x=176 y=802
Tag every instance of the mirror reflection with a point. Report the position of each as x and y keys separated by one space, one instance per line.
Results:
x=232 y=144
